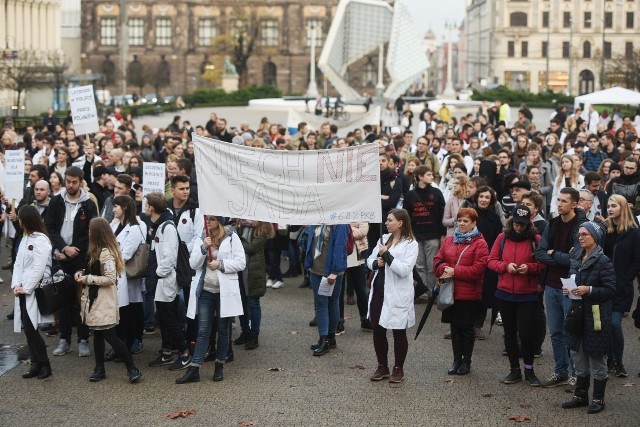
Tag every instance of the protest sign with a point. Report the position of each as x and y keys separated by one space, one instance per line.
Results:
x=14 y=175
x=83 y=110
x=335 y=186
x=153 y=178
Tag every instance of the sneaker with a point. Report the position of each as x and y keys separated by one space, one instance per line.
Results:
x=162 y=359
x=620 y=371
x=149 y=331
x=515 y=376
x=538 y=353
x=499 y=319
x=1 y=280
x=136 y=347
x=555 y=380
x=53 y=331
x=340 y=328
x=530 y=377
x=270 y=283
x=182 y=362
x=397 y=375
x=365 y=324
x=62 y=348
x=278 y=284
x=83 y=348
x=313 y=322
x=380 y=373
x=447 y=336
x=571 y=385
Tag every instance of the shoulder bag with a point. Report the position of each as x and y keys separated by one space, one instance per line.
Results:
x=445 y=297
x=136 y=267
x=54 y=293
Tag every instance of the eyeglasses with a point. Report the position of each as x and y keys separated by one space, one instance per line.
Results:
x=583 y=235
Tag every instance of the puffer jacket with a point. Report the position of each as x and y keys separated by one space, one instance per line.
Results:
x=469 y=272
x=253 y=274
x=596 y=271
x=518 y=253
x=103 y=310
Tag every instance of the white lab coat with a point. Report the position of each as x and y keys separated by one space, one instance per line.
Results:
x=129 y=290
x=397 y=308
x=33 y=262
x=166 y=246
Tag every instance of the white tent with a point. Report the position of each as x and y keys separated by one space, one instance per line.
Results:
x=614 y=95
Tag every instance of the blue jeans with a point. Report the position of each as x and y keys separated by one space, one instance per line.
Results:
x=557 y=308
x=208 y=308
x=617 y=338
x=255 y=315
x=327 y=308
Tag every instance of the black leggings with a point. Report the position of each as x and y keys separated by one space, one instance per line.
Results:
x=37 y=347
x=109 y=335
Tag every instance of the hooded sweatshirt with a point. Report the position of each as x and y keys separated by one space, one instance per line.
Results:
x=71 y=209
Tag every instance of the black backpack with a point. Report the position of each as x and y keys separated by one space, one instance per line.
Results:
x=184 y=272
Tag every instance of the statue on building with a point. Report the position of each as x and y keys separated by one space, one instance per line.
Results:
x=229 y=68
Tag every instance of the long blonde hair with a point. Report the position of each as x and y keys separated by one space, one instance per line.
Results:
x=216 y=239
x=101 y=237
x=574 y=174
x=626 y=221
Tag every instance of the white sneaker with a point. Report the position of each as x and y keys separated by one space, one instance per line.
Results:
x=278 y=284
x=83 y=349
x=270 y=283
x=62 y=348
x=1 y=281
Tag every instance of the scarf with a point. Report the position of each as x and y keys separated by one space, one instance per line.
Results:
x=319 y=236
x=459 y=237
x=517 y=237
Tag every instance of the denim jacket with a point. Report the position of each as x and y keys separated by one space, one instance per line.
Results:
x=336 y=249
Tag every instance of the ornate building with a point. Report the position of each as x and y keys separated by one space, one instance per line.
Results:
x=564 y=45
x=179 y=46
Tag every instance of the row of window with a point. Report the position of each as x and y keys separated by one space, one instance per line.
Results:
x=566 y=48
x=520 y=19
x=268 y=34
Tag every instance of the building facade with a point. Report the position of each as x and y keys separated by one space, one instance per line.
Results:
x=566 y=46
x=185 y=43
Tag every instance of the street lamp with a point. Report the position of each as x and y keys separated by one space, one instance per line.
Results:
x=312 y=89
x=570 y=55
x=546 y=76
x=449 y=91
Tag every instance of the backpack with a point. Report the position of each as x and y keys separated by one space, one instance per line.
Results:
x=351 y=241
x=184 y=272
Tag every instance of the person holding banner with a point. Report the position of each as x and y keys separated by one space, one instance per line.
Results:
x=326 y=259
x=391 y=298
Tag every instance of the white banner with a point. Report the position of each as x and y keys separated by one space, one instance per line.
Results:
x=83 y=110
x=334 y=186
x=153 y=178
x=14 y=175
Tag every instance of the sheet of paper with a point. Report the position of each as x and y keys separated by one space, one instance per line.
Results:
x=570 y=284
x=325 y=288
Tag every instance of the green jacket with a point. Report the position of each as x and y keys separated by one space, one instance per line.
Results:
x=256 y=265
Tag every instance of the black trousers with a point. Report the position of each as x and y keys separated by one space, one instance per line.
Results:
x=109 y=335
x=356 y=279
x=170 y=328
x=519 y=318
x=131 y=324
x=463 y=340
x=68 y=316
x=37 y=347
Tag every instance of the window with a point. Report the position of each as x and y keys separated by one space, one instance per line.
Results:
x=545 y=19
x=525 y=49
x=565 y=49
x=545 y=49
x=136 y=32
x=108 y=32
x=511 y=49
x=269 y=35
x=566 y=19
x=518 y=19
x=238 y=27
x=608 y=19
x=587 y=19
x=310 y=26
x=206 y=31
x=163 y=32
x=628 y=50
x=586 y=50
x=607 y=50
x=630 y=19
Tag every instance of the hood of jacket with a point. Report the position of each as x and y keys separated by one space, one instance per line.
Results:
x=71 y=206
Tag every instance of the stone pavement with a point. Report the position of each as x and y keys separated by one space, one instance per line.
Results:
x=315 y=391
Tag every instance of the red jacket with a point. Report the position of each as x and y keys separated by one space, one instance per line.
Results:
x=518 y=253
x=469 y=273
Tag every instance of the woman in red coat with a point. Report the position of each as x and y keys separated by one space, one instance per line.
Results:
x=512 y=257
x=463 y=257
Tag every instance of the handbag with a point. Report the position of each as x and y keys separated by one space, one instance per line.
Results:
x=54 y=293
x=445 y=297
x=574 y=322
x=136 y=267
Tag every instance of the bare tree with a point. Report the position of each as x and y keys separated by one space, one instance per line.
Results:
x=27 y=71
x=137 y=75
x=625 y=70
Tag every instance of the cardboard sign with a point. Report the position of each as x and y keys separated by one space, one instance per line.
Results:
x=83 y=110
x=153 y=178
x=14 y=175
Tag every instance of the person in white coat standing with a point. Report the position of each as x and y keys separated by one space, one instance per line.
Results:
x=391 y=298
x=33 y=262
x=217 y=258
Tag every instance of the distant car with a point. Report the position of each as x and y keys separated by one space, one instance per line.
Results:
x=465 y=94
x=150 y=98
x=169 y=99
x=122 y=100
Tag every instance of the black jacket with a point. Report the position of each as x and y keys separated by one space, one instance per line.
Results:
x=627 y=186
x=624 y=251
x=426 y=210
x=100 y=192
x=390 y=186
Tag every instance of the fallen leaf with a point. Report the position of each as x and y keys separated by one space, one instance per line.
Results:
x=525 y=405
x=276 y=369
x=292 y=386
x=449 y=381
x=348 y=317
x=180 y=414
x=357 y=367
x=487 y=395
x=313 y=371
x=520 y=418
x=628 y=384
x=245 y=423
x=293 y=333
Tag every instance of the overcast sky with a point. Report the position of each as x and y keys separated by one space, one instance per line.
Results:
x=434 y=13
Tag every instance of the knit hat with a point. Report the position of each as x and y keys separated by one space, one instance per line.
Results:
x=594 y=229
x=521 y=215
x=237 y=140
x=615 y=167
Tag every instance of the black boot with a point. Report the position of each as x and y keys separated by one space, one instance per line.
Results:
x=45 y=371
x=597 y=404
x=331 y=340
x=453 y=370
x=217 y=374
x=134 y=374
x=322 y=347
x=98 y=374
x=306 y=283
x=456 y=345
x=191 y=376
x=242 y=339
x=581 y=395
x=230 y=356
x=515 y=376
x=33 y=371
x=252 y=343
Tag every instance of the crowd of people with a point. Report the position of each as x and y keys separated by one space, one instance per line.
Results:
x=503 y=212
